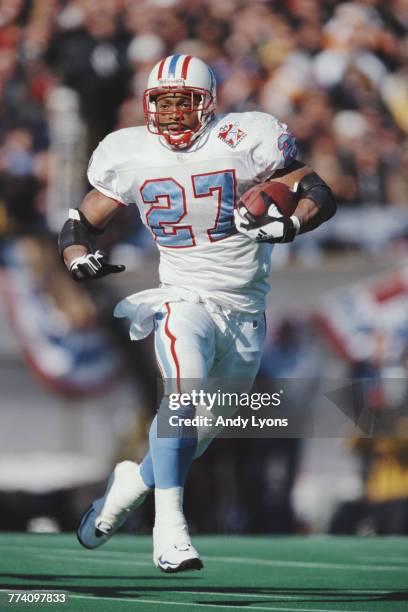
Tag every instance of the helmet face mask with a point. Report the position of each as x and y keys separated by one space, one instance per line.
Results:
x=180 y=75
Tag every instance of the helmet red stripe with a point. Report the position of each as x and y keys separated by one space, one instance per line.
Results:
x=184 y=67
x=159 y=76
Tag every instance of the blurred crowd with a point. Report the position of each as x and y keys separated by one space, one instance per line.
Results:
x=335 y=71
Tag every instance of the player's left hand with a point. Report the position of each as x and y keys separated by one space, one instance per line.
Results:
x=271 y=227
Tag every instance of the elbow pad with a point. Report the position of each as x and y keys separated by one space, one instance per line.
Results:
x=77 y=230
x=313 y=187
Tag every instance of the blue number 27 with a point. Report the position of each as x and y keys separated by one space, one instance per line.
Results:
x=168 y=207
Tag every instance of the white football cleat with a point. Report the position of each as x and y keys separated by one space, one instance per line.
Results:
x=172 y=548
x=179 y=558
x=126 y=491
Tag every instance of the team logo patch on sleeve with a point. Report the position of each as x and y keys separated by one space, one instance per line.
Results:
x=287 y=145
x=231 y=134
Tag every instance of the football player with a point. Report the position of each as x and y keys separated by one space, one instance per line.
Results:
x=185 y=171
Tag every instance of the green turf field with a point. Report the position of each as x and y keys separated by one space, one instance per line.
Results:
x=285 y=574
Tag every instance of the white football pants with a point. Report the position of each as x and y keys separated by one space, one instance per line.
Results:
x=193 y=343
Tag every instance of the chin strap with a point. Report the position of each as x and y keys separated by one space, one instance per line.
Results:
x=179 y=141
x=184 y=139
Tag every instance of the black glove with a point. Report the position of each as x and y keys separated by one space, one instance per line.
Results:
x=272 y=227
x=92 y=266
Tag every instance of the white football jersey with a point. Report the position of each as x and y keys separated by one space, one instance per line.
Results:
x=186 y=199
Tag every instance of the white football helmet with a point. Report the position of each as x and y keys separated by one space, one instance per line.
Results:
x=181 y=74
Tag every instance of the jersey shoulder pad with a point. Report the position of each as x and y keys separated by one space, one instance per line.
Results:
x=263 y=124
x=121 y=144
x=269 y=143
x=116 y=152
x=233 y=130
x=248 y=128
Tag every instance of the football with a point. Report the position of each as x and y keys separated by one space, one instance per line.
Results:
x=281 y=194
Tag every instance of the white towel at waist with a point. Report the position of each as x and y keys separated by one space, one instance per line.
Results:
x=140 y=307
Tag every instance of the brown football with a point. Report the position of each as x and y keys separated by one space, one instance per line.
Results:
x=280 y=193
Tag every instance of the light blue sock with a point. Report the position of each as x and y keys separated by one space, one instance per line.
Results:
x=146 y=470
x=169 y=459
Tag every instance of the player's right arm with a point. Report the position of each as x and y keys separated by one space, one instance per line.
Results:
x=76 y=239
